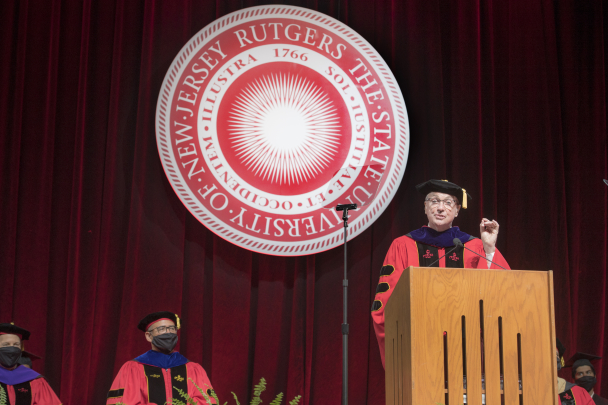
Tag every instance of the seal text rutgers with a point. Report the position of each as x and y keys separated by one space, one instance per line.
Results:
x=272 y=115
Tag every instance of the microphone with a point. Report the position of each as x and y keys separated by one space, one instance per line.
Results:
x=458 y=242
x=342 y=207
x=447 y=253
x=345 y=208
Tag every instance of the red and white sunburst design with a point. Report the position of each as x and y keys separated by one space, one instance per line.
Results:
x=285 y=128
x=272 y=115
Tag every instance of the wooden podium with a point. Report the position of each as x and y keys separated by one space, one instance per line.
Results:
x=495 y=327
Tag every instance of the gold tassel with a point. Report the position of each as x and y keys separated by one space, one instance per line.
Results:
x=563 y=362
x=178 y=322
x=464 y=198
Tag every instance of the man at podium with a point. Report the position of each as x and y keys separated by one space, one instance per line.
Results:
x=427 y=246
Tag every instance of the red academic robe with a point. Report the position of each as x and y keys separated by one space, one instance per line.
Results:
x=575 y=396
x=142 y=384
x=404 y=253
x=34 y=392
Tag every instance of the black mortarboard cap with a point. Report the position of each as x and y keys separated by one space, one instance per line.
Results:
x=578 y=356
x=25 y=361
x=30 y=355
x=27 y=358
x=11 y=329
x=157 y=316
x=446 y=187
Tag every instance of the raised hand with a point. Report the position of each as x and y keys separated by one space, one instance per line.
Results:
x=489 y=233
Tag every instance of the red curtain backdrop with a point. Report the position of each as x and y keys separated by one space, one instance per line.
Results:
x=507 y=98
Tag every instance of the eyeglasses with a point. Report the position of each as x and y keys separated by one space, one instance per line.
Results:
x=448 y=203
x=164 y=329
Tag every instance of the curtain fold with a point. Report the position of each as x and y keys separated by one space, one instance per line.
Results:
x=507 y=99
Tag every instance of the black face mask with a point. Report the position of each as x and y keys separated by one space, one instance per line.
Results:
x=165 y=342
x=587 y=382
x=9 y=356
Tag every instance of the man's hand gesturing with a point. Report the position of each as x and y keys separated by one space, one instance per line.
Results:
x=489 y=233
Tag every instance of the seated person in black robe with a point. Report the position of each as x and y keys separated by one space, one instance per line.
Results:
x=583 y=374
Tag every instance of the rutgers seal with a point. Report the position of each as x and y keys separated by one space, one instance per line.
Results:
x=271 y=116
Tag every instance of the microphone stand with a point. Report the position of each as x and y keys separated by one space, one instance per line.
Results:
x=459 y=243
x=444 y=255
x=344 y=208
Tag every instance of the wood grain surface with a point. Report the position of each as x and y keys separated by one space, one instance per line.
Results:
x=430 y=301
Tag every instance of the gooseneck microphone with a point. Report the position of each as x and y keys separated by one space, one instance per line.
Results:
x=458 y=242
x=447 y=253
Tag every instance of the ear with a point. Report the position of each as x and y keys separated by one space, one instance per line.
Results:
x=149 y=337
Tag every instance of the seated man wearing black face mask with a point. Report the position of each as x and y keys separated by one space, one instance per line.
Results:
x=583 y=373
x=22 y=385
x=153 y=377
x=571 y=394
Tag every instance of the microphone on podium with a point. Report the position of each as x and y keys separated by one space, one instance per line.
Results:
x=458 y=242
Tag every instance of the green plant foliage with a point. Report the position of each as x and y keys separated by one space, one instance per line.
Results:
x=175 y=401
x=257 y=391
x=278 y=399
x=3 y=400
x=184 y=395
x=214 y=396
x=204 y=394
x=256 y=400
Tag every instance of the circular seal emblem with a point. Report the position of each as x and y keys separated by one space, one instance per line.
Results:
x=271 y=116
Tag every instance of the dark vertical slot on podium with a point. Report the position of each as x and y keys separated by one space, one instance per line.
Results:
x=445 y=367
x=519 y=370
x=483 y=355
x=401 y=370
x=395 y=378
x=464 y=352
x=502 y=362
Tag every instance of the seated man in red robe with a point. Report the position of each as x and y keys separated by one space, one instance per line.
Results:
x=155 y=376
x=573 y=395
x=423 y=247
x=22 y=385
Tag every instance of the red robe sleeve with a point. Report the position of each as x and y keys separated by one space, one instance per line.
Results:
x=402 y=254
x=42 y=393
x=198 y=376
x=129 y=385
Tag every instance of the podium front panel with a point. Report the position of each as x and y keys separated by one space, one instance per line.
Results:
x=479 y=333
